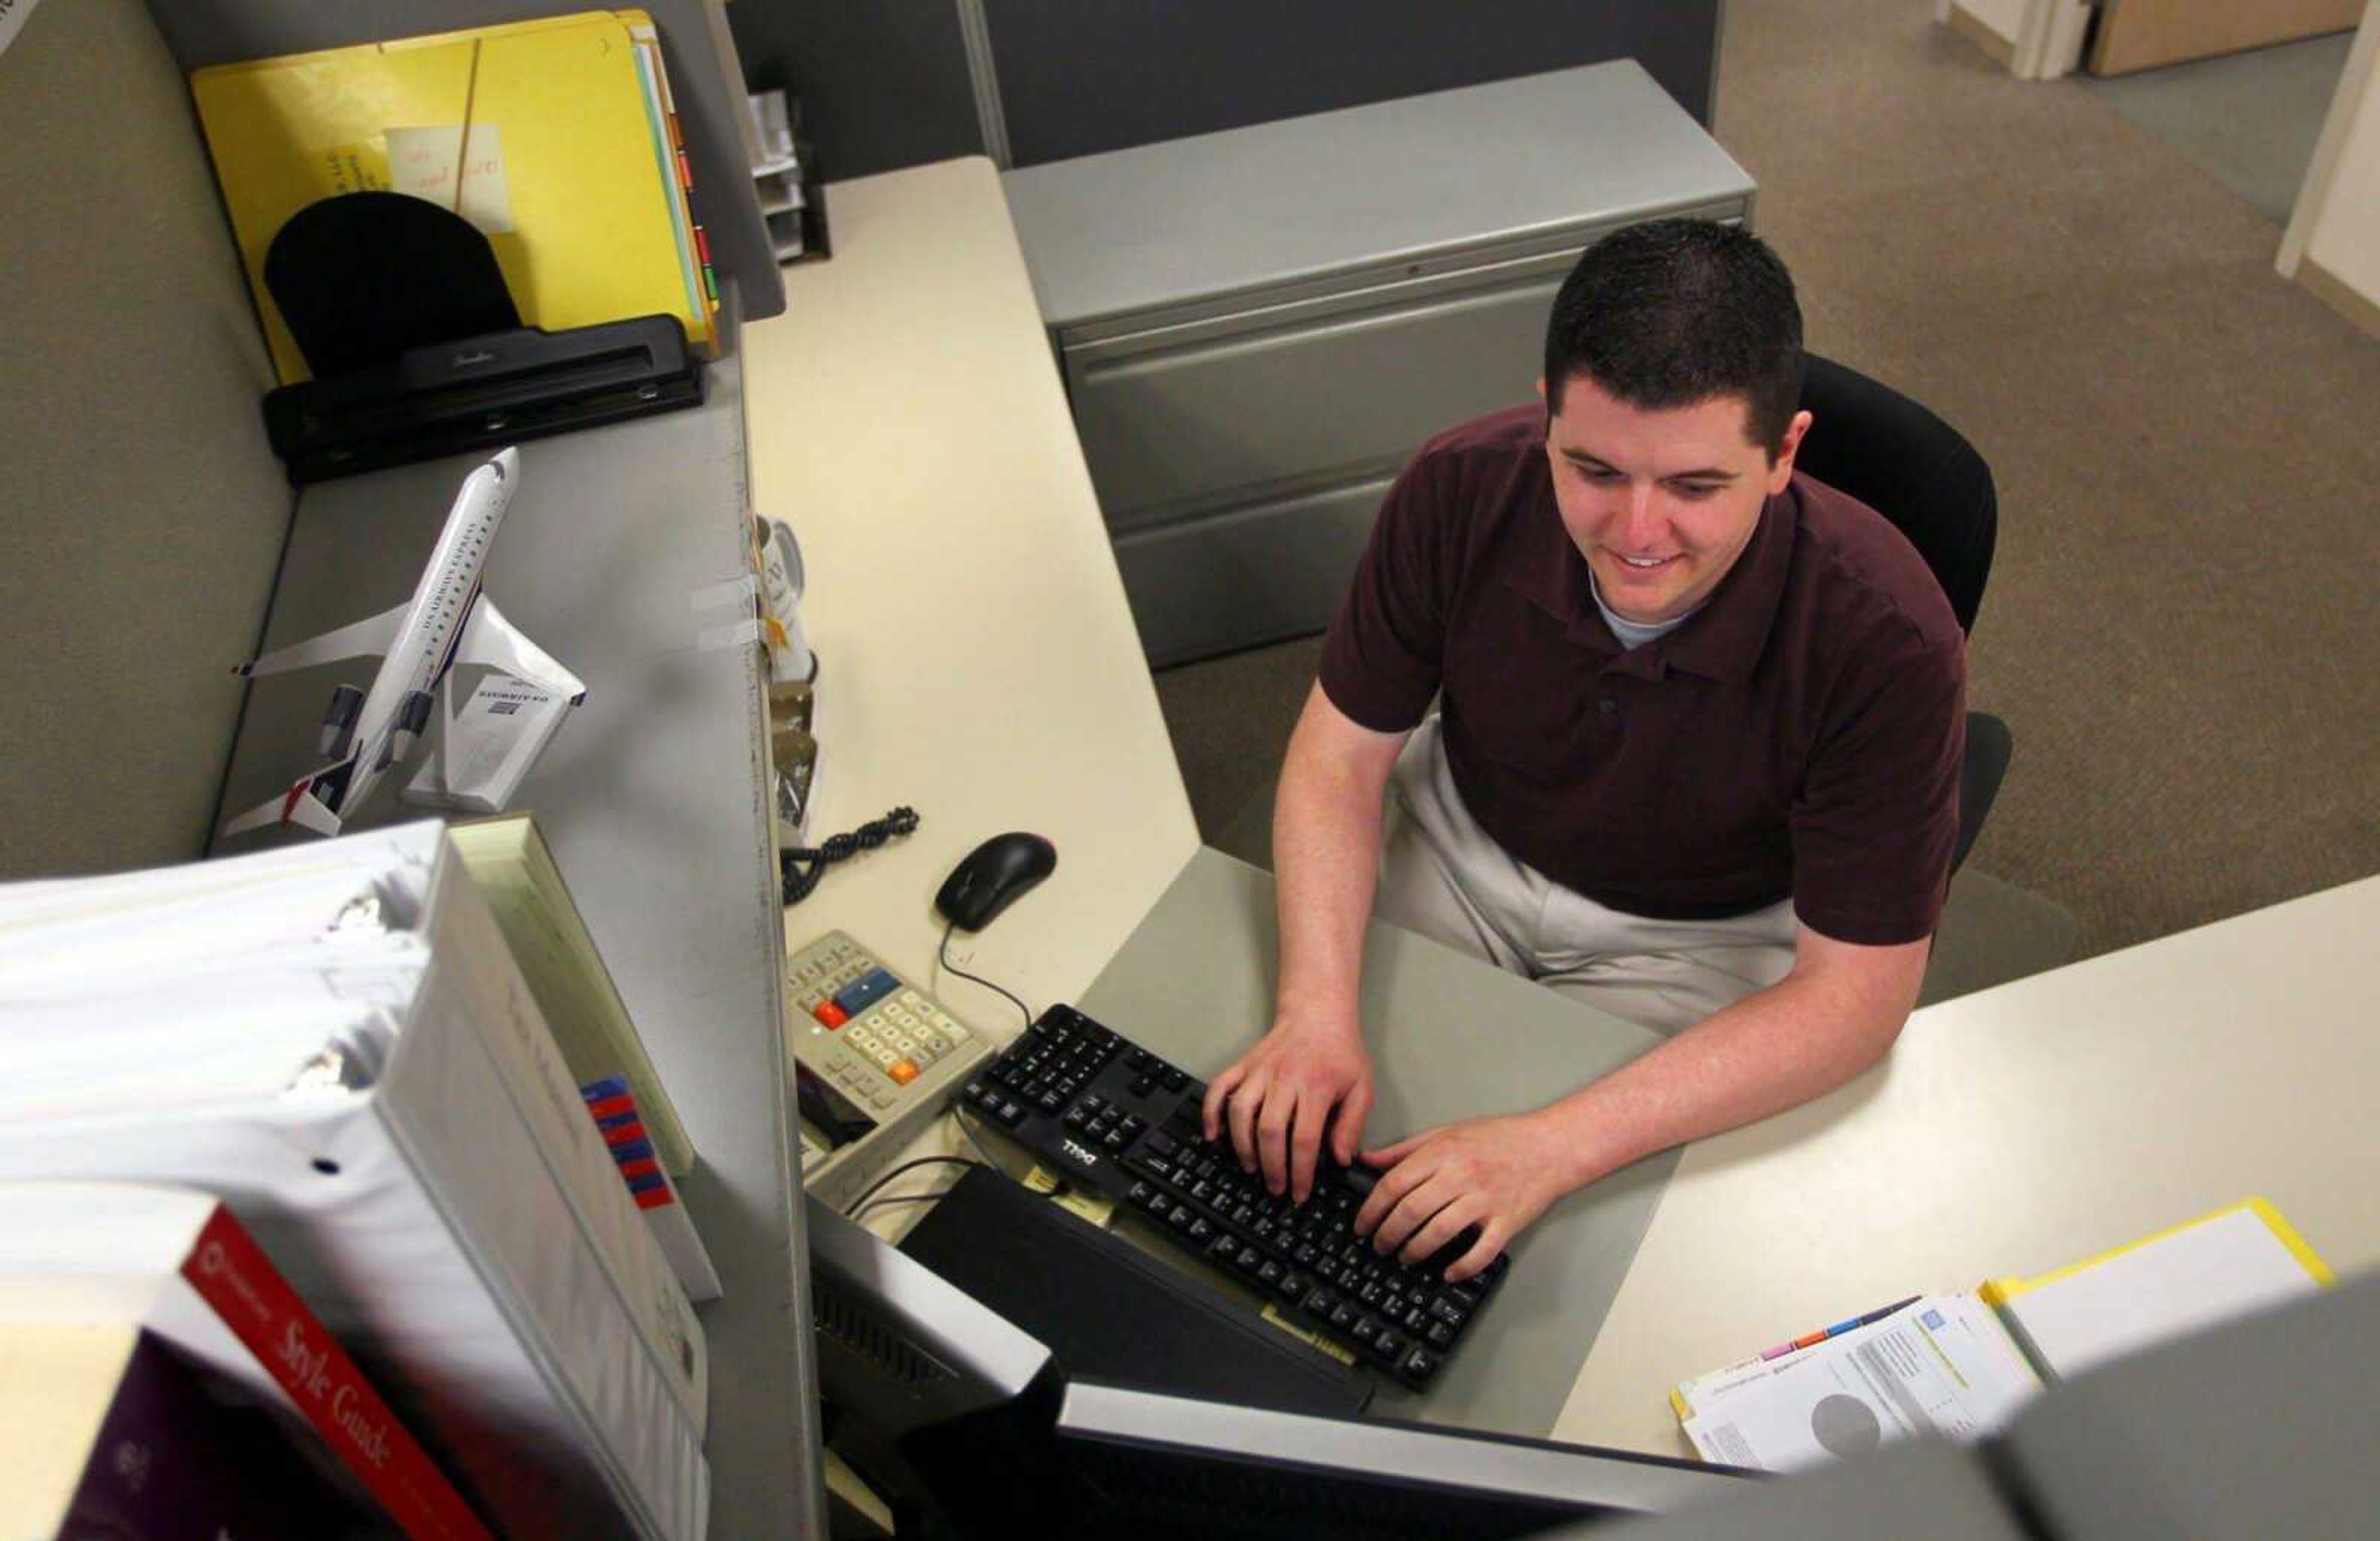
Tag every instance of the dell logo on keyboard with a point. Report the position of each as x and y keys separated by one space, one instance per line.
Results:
x=1088 y=1158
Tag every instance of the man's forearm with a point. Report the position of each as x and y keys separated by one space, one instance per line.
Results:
x=1326 y=862
x=1777 y=1048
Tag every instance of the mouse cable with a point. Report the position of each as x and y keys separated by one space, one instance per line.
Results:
x=860 y=1201
x=976 y=977
x=878 y=1202
x=966 y=1126
x=799 y=880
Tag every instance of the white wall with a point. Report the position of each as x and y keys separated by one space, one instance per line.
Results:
x=2337 y=222
x=2004 y=17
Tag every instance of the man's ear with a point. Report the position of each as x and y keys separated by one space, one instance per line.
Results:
x=1780 y=467
x=1541 y=389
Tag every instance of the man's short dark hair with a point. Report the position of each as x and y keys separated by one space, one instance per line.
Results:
x=1673 y=312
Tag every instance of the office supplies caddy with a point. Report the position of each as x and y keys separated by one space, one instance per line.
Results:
x=875 y=1060
x=1107 y=1112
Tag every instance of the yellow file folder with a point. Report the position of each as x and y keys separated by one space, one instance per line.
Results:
x=541 y=133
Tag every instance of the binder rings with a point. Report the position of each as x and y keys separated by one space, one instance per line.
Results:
x=368 y=1084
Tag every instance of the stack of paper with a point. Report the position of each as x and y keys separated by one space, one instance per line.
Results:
x=557 y=138
x=335 y=1039
x=1959 y=1365
x=1939 y=1366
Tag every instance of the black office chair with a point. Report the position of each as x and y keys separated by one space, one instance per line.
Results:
x=1870 y=441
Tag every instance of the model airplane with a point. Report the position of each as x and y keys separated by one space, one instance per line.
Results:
x=447 y=621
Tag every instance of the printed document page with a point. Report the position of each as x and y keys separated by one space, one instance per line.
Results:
x=1943 y=1367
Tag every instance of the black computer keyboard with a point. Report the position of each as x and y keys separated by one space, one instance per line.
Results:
x=1109 y=1114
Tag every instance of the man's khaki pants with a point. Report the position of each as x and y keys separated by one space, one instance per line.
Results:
x=1441 y=875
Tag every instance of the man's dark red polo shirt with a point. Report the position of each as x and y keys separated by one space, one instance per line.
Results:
x=1799 y=735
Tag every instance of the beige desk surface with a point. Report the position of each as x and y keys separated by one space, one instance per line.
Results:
x=2013 y=1131
x=977 y=661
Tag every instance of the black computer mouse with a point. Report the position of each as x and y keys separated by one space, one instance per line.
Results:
x=995 y=876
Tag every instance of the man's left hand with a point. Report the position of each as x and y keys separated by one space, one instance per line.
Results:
x=1497 y=1174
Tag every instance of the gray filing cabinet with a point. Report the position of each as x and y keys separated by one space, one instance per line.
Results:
x=1258 y=326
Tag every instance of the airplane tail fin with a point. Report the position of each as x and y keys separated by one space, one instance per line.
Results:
x=311 y=802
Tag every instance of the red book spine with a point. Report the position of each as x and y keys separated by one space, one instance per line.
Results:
x=233 y=1275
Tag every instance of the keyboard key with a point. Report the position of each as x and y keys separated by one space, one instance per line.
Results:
x=1011 y=1113
x=1389 y=1344
x=1162 y=1143
x=905 y=1071
x=1418 y=1365
x=1441 y=1334
x=865 y=991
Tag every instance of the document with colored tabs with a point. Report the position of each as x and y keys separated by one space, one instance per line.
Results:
x=1959 y=1366
x=551 y=137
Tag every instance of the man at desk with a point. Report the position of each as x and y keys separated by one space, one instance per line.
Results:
x=1696 y=759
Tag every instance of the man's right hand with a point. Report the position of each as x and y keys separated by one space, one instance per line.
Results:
x=1280 y=1098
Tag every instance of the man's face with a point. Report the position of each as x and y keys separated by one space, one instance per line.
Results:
x=1660 y=503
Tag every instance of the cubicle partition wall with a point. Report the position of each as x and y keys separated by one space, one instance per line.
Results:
x=150 y=541
x=1028 y=81
x=141 y=514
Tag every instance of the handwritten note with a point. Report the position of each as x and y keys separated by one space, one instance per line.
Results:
x=433 y=162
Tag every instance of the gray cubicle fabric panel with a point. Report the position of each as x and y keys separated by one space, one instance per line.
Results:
x=653 y=797
x=883 y=86
x=2265 y=1427
x=141 y=514
x=1451 y=1037
x=1078 y=79
x=708 y=86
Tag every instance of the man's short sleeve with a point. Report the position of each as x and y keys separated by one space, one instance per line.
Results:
x=1877 y=819
x=1384 y=653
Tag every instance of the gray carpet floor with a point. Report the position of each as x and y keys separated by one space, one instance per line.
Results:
x=2180 y=626
x=2249 y=120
